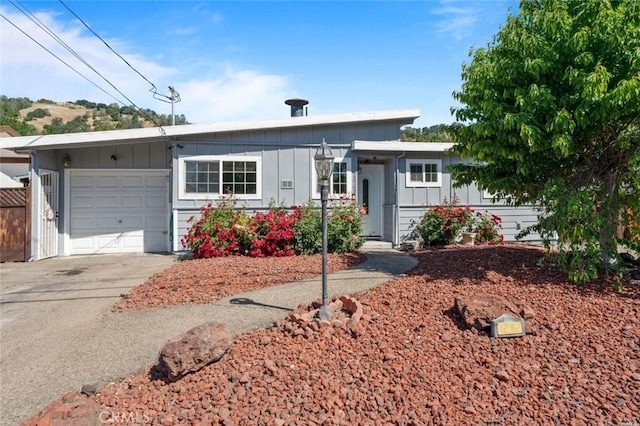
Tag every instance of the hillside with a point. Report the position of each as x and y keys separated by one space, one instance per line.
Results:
x=67 y=112
x=48 y=117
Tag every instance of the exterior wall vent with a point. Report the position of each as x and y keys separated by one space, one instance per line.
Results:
x=297 y=106
x=286 y=184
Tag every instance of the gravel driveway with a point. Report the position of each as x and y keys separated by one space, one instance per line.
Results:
x=47 y=309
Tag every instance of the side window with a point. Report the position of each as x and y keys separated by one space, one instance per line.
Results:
x=424 y=173
x=340 y=181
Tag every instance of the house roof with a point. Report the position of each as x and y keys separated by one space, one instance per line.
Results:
x=397 y=146
x=111 y=137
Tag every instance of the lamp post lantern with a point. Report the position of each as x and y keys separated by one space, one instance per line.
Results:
x=324 y=167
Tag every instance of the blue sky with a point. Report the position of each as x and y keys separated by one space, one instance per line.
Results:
x=240 y=60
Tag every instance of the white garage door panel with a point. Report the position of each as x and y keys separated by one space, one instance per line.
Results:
x=132 y=181
x=106 y=181
x=132 y=201
x=118 y=212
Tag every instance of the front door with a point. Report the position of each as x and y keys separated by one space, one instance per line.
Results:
x=370 y=197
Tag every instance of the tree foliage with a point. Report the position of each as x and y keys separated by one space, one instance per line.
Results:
x=435 y=133
x=553 y=106
x=10 y=115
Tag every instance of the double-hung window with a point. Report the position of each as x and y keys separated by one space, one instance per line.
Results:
x=339 y=181
x=424 y=173
x=213 y=176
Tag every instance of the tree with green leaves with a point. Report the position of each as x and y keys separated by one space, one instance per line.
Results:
x=553 y=111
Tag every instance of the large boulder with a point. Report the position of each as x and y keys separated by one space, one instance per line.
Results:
x=194 y=349
x=72 y=409
x=479 y=310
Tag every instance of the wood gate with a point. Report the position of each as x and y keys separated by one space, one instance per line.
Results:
x=15 y=221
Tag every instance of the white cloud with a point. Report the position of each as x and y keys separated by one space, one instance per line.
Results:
x=232 y=95
x=458 y=22
x=227 y=93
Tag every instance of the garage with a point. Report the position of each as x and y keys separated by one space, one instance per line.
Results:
x=117 y=211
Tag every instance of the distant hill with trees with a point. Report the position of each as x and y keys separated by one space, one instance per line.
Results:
x=46 y=117
x=436 y=133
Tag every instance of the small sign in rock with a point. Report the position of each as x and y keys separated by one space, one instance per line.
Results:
x=507 y=326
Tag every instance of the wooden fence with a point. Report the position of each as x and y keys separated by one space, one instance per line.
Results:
x=15 y=221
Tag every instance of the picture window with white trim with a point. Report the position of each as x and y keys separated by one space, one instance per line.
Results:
x=212 y=176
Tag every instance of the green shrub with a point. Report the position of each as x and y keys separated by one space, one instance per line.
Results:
x=344 y=226
x=308 y=229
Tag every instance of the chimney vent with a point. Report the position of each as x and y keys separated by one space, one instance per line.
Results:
x=297 y=106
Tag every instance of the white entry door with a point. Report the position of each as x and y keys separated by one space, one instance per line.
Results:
x=118 y=211
x=371 y=196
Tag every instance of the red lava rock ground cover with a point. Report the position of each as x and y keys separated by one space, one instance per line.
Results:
x=416 y=364
x=201 y=281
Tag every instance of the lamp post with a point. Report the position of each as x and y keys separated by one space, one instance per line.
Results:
x=324 y=167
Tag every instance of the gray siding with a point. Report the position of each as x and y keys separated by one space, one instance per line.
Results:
x=287 y=154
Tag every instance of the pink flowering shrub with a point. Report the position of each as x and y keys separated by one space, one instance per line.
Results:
x=444 y=224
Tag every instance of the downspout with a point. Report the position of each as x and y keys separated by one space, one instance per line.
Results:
x=173 y=213
x=396 y=211
x=34 y=217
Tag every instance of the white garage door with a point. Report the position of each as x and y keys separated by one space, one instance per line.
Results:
x=115 y=211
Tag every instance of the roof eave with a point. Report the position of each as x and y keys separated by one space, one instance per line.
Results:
x=403 y=117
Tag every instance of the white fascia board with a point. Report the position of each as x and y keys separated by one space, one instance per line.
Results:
x=149 y=134
x=397 y=146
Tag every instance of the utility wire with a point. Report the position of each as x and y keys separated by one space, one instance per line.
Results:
x=153 y=89
x=60 y=59
x=51 y=34
x=43 y=27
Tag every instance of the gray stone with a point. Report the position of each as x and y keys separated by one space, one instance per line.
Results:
x=88 y=389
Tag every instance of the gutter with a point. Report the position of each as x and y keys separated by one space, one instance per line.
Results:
x=396 y=210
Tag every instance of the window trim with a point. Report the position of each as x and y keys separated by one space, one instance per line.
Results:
x=315 y=195
x=423 y=184
x=182 y=167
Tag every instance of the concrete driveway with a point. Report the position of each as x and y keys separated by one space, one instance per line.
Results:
x=45 y=309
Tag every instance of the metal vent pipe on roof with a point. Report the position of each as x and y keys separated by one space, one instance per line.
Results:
x=297 y=106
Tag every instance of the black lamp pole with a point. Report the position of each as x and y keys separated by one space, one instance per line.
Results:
x=324 y=167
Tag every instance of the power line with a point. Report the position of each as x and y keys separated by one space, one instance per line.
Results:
x=52 y=34
x=60 y=59
x=153 y=89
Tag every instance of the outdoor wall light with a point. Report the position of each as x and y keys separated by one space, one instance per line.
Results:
x=66 y=160
x=114 y=157
x=324 y=167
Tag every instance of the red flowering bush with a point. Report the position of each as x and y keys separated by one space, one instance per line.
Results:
x=222 y=230
x=487 y=229
x=444 y=224
x=273 y=233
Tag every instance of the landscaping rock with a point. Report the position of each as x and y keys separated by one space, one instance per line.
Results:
x=414 y=364
x=194 y=349
x=478 y=310
x=72 y=409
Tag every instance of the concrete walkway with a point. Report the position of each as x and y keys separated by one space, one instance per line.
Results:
x=66 y=337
